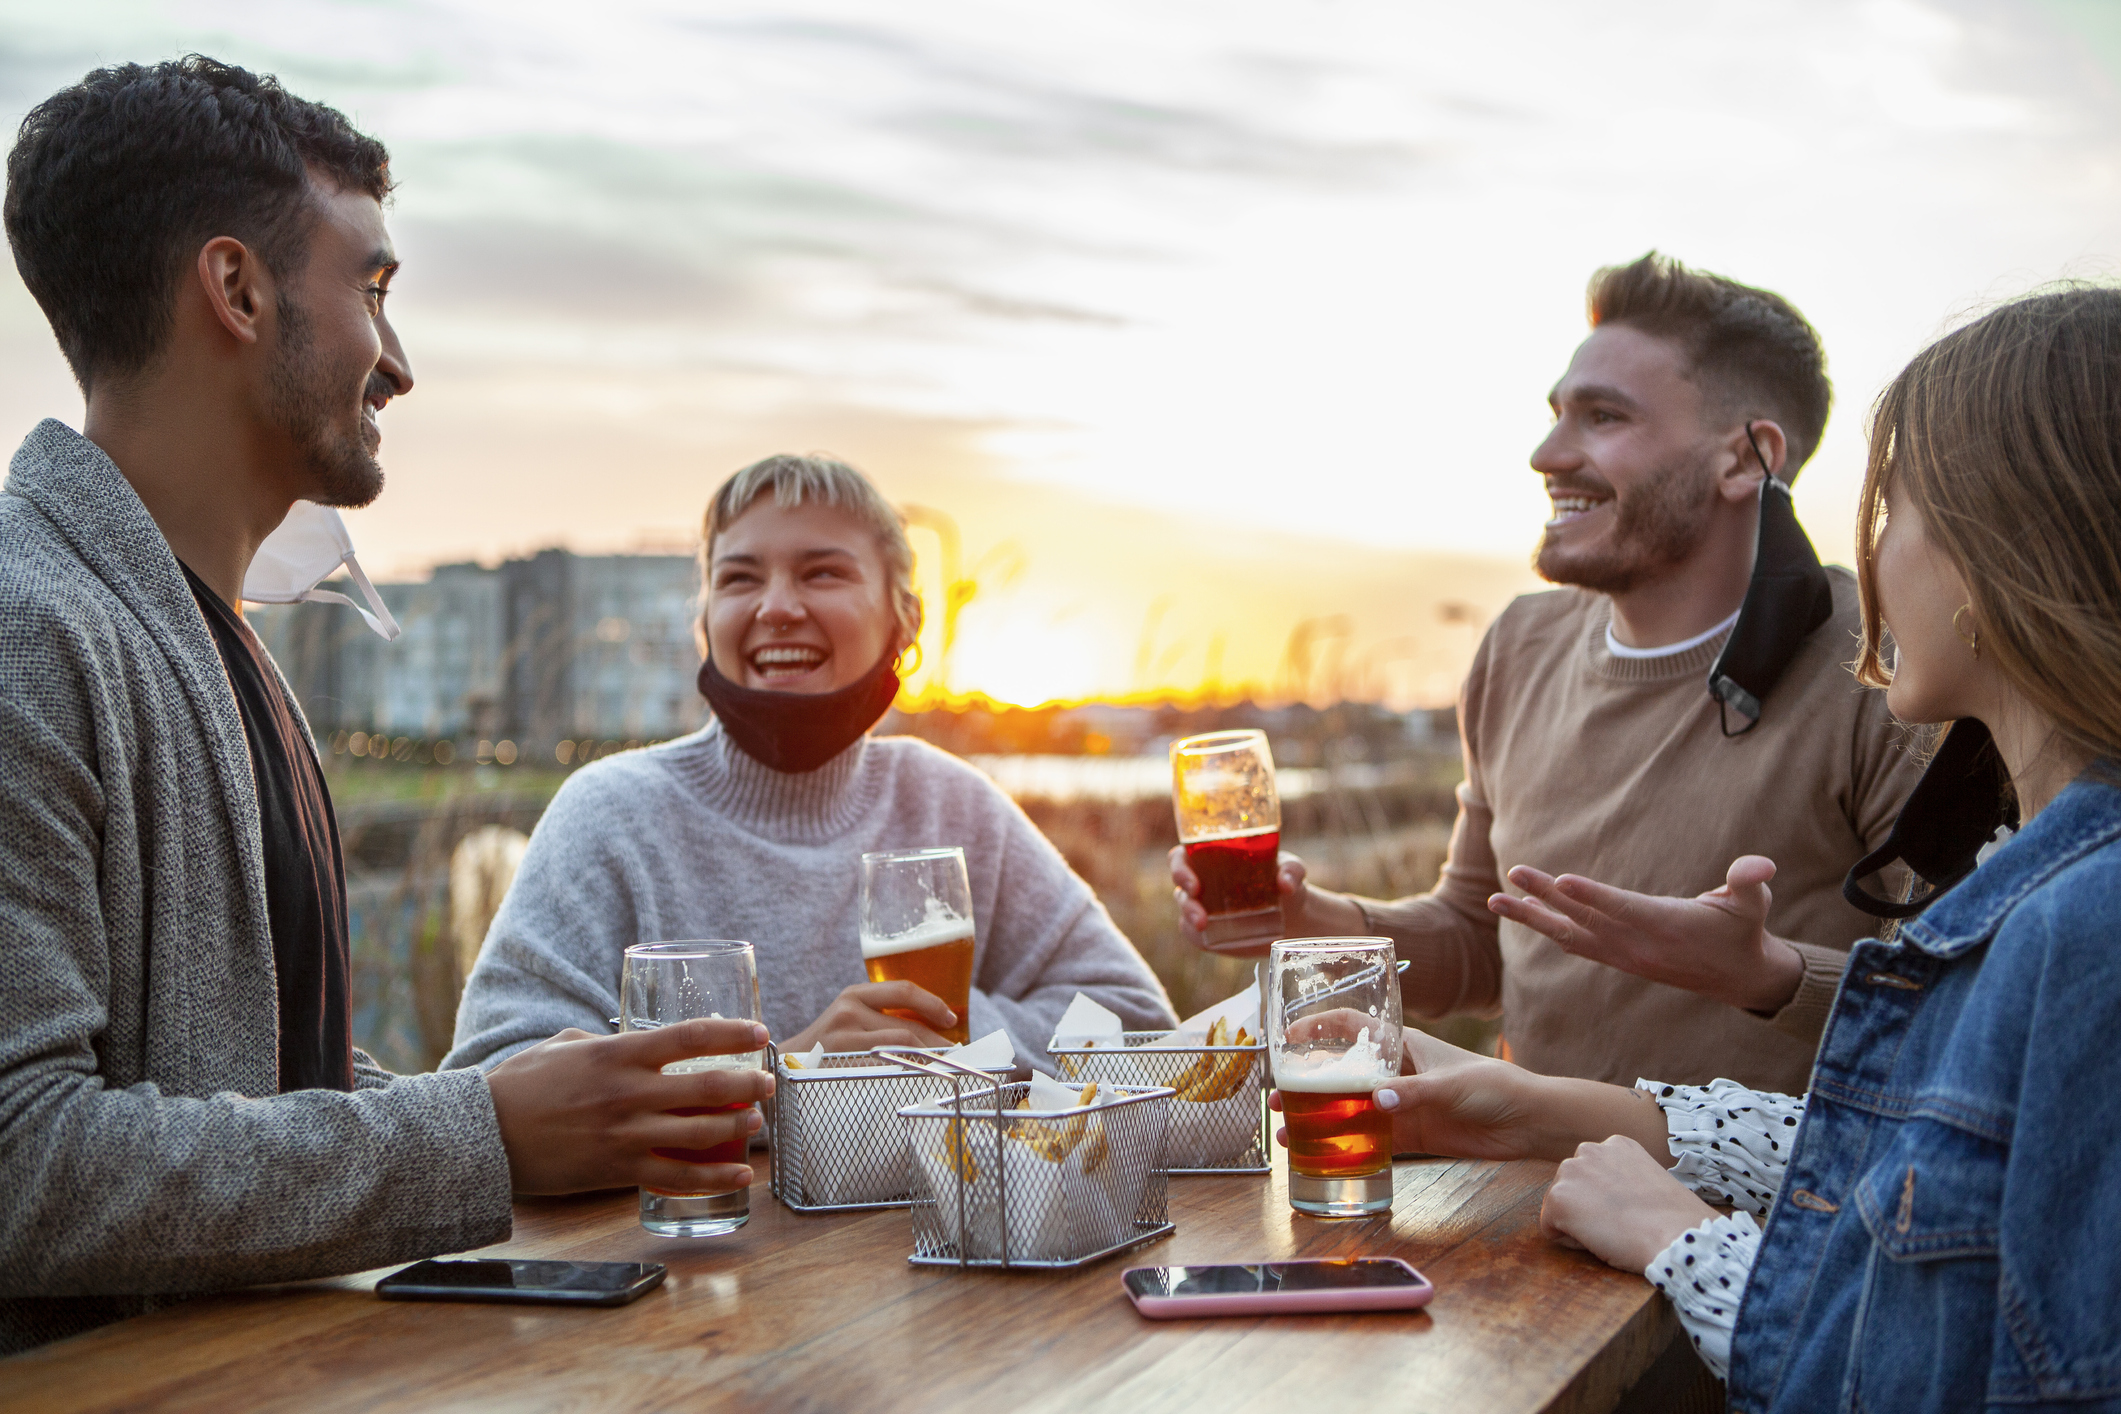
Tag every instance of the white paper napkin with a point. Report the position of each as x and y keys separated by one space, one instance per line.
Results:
x=1087 y=1023
x=993 y=1051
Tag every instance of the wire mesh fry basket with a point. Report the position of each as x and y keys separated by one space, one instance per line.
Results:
x=838 y=1142
x=1219 y=1104
x=1063 y=1188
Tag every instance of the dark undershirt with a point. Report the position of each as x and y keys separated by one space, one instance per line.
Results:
x=305 y=898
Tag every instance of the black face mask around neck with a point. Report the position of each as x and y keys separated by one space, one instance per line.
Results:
x=1788 y=599
x=1952 y=812
x=797 y=732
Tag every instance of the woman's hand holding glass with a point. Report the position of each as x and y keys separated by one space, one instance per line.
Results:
x=1716 y=944
x=856 y=1022
x=1611 y=1195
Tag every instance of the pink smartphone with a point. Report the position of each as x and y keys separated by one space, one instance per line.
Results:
x=1346 y=1284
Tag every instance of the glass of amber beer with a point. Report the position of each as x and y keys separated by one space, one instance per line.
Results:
x=1229 y=820
x=916 y=926
x=665 y=983
x=1333 y=1038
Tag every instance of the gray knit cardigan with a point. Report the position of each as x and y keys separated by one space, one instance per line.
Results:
x=145 y=1151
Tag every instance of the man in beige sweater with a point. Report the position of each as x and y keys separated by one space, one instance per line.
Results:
x=1592 y=744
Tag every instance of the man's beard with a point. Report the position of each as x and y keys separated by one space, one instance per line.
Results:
x=308 y=403
x=1656 y=526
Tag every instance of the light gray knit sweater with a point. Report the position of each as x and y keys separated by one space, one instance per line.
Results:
x=145 y=1149
x=695 y=839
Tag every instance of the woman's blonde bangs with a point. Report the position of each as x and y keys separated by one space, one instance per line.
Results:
x=821 y=480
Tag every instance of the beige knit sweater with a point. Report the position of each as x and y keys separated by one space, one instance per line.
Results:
x=1617 y=769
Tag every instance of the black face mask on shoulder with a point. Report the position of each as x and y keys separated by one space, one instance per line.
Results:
x=797 y=732
x=1956 y=808
x=1788 y=599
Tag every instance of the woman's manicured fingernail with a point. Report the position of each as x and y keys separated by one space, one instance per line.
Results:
x=1387 y=1099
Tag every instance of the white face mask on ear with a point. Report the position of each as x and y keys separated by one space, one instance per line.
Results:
x=309 y=546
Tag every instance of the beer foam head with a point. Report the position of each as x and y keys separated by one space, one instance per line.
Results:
x=941 y=925
x=1362 y=1066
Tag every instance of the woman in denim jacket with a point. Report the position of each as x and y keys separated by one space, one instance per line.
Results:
x=1943 y=1210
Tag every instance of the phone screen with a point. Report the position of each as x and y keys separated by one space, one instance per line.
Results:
x=1361 y=1273
x=511 y=1280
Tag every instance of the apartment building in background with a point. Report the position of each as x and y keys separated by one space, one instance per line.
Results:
x=543 y=649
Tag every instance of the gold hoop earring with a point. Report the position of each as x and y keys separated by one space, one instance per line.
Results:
x=1971 y=640
x=920 y=656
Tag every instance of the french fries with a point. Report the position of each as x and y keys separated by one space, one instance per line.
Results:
x=1050 y=1143
x=1212 y=1077
x=957 y=1151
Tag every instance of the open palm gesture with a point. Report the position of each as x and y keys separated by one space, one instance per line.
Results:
x=1716 y=943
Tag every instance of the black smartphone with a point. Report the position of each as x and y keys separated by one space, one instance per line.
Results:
x=487 y=1279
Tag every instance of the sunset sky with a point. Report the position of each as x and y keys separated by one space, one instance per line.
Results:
x=1203 y=321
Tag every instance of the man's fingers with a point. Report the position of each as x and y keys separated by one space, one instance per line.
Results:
x=1748 y=870
x=1563 y=896
x=689 y=1132
x=683 y=1040
x=711 y=1089
x=1541 y=919
x=673 y=1176
x=1746 y=885
x=1291 y=873
x=1182 y=873
x=1589 y=902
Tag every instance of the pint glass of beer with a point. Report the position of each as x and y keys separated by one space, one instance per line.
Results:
x=665 y=983
x=1333 y=1038
x=916 y=927
x=1229 y=820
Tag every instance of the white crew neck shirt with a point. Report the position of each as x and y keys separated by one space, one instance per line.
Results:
x=1620 y=650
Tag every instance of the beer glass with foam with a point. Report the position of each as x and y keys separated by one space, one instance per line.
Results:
x=1229 y=820
x=665 y=983
x=916 y=926
x=1333 y=1038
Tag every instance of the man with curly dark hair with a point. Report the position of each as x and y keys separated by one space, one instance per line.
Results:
x=181 y=1104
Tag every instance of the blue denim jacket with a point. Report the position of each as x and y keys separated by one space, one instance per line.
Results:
x=1948 y=1233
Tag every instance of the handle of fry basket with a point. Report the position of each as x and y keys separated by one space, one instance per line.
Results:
x=938 y=1067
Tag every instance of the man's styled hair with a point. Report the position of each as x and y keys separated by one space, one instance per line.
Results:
x=1750 y=351
x=793 y=480
x=114 y=184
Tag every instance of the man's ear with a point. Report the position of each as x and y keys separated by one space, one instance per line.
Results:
x=1758 y=450
x=237 y=286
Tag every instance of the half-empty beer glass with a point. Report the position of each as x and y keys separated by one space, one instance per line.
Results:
x=665 y=983
x=1229 y=820
x=1333 y=1038
x=916 y=927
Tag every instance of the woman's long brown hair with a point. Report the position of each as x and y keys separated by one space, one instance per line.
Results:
x=2006 y=437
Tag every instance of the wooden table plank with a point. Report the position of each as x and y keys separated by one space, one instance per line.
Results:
x=825 y=1313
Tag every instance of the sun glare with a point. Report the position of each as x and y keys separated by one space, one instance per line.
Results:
x=1027 y=664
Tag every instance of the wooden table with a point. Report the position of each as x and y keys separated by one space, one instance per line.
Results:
x=825 y=1313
